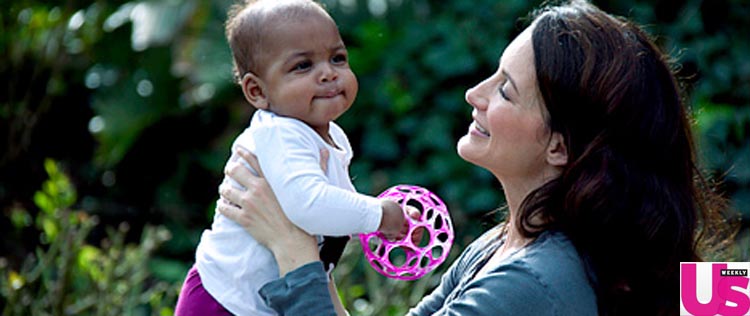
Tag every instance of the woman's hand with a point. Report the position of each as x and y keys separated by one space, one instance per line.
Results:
x=258 y=211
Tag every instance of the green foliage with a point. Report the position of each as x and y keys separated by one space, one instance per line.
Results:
x=725 y=144
x=67 y=276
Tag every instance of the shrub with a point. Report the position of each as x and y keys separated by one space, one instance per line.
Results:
x=66 y=275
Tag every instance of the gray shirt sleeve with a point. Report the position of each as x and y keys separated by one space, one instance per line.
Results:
x=301 y=292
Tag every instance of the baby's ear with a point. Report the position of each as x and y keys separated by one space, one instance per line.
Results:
x=252 y=88
x=557 y=151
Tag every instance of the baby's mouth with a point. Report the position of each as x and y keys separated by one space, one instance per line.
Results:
x=329 y=94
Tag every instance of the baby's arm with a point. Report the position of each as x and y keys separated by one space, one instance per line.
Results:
x=289 y=157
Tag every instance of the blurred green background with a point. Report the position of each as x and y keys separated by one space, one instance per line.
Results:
x=116 y=119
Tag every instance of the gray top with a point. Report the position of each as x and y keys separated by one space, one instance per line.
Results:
x=547 y=277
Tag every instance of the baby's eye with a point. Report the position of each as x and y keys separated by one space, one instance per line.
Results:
x=301 y=66
x=338 y=58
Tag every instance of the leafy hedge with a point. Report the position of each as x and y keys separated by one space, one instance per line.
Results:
x=66 y=275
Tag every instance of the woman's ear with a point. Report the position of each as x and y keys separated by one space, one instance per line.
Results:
x=252 y=88
x=557 y=151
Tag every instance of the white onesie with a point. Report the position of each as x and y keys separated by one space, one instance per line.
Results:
x=232 y=265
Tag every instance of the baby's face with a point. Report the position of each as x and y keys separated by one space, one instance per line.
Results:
x=307 y=74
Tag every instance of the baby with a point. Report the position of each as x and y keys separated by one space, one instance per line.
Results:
x=293 y=68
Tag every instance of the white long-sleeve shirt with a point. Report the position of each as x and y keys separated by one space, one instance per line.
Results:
x=231 y=264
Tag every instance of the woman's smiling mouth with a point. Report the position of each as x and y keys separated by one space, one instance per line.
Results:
x=480 y=129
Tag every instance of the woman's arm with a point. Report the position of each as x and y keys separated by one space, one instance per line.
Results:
x=337 y=304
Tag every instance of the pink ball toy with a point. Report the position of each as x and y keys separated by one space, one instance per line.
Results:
x=426 y=254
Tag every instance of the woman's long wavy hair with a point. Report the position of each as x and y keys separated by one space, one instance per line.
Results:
x=631 y=197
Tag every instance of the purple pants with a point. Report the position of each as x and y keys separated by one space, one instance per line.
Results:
x=195 y=301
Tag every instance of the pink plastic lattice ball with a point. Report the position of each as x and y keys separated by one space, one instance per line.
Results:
x=408 y=259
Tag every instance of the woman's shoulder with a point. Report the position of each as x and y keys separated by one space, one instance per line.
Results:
x=552 y=252
x=554 y=258
x=553 y=244
x=553 y=261
x=480 y=246
x=546 y=277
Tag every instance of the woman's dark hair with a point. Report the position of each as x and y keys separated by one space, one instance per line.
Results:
x=631 y=198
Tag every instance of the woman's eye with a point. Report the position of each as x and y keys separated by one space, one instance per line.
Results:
x=302 y=66
x=502 y=91
x=338 y=58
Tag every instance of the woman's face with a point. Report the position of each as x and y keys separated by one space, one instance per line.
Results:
x=508 y=136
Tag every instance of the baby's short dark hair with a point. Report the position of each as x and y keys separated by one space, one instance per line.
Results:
x=248 y=23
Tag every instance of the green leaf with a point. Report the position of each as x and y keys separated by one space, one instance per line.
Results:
x=50 y=188
x=88 y=261
x=50 y=228
x=44 y=202
x=51 y=167
x=20 y=218
x=166 y=311
x=709 y=115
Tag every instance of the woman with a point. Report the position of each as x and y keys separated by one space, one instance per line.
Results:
x=584 y=127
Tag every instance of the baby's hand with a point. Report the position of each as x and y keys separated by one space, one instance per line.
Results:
x=394 y=224
x=414 y=214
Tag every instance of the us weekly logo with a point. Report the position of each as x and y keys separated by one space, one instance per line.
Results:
x=714 y=288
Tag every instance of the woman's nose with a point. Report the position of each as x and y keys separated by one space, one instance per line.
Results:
x=476 y=98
